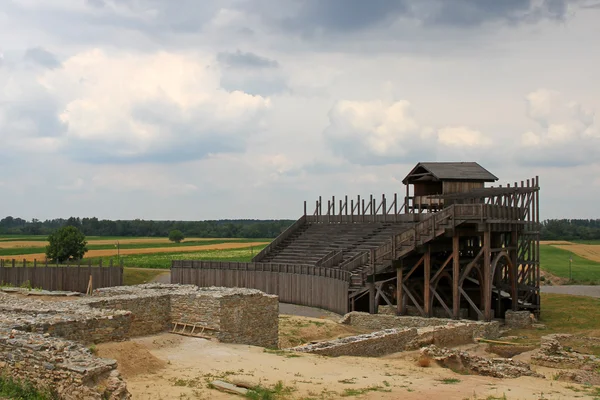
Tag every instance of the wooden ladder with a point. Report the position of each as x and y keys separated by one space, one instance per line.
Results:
x=193 y=332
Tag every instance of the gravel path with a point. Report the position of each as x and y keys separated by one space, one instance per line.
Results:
x=578 y=290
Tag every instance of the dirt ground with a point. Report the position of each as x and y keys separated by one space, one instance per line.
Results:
x=168 y=366
x=149 y=250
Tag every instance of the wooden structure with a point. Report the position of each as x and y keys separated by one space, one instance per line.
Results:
x=307 y=285
x=451 y=248
x=72 y=277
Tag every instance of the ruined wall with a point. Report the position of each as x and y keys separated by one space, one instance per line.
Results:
x=518 y=319
x=251 y=319
x=150 y=313
x=201 y=309
x=369 y=345
x=401 y=333
x=66 y=366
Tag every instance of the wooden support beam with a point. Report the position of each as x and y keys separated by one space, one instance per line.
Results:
x=380 y=293
x=466 y=296
x=372 y=305
x=442 y=302
x=399 y=291
x=415 y=302
x=455 y=277
x=487 y=276
x=427 y=282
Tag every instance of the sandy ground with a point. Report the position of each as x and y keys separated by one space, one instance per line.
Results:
x=168 y=366
x=578 y=290
x=589 y=251
x=149 y=250
x=33 y=243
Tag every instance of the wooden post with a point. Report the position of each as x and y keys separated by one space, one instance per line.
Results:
x=399 y=291
x=372 y=305
x=487 y=275
x=455 y=276
x=427 y=282
x=304 y=207
x=514 y=242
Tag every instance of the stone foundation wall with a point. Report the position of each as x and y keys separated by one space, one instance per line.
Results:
x=518 y=319
x=149 y=313
x=369 y=345
x=402 y=333
x=65 y=366
x=203 y=310
x=249 y=319
x=37 y=339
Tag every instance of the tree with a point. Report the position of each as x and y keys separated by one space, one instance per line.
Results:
x=66 y=243
x=176 y=236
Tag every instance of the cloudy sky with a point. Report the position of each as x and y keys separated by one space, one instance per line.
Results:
x=190 y=109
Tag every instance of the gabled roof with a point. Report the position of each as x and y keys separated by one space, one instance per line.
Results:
x=449 y=171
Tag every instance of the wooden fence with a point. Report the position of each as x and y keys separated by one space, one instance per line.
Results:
x=73 y=278
x=305 y=285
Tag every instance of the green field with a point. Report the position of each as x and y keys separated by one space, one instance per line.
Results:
x=6 y=252
x=163 y=260
x=556 y=261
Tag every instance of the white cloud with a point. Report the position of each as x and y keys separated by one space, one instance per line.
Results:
x=380 y=132
x=129 y=107
x=567 y=132
x=462 y=136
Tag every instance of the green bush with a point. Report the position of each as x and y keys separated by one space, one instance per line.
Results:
x=66 y=243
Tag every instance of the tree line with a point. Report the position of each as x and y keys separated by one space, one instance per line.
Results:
x=241 y=228
x=552 y=229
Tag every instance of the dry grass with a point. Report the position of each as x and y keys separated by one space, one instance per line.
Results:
x=295 y=331
x=589 y=251
x=149 y=250
x=41 y=243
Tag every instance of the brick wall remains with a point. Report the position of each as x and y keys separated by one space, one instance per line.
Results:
x=248 y=318
x=374 y=344
x=65 y=366
x=518 y=319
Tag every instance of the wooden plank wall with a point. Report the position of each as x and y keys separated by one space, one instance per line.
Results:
x=67 y=278
x=306 y=285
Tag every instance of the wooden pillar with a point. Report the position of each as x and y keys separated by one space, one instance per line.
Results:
x=399 y=291
x=455 y=276
x=427 y=282
x=514 y=270
x=372 y=305
x=487 y=278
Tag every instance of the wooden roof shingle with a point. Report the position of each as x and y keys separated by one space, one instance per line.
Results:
x=449 y=171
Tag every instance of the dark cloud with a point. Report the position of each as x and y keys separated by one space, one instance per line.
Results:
x=254 y=84
x=245 y=60
x=346 y=16
x=42 y=57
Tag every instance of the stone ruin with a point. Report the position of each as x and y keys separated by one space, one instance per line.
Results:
x=45 y=342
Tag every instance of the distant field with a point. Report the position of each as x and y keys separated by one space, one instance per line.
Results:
x=554 y=258
x=20 y=248
x=163 y=260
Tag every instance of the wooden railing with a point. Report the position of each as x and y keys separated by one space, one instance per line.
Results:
x=283 y=236
x=361 y=210
x=333 y=258
x=355 y=262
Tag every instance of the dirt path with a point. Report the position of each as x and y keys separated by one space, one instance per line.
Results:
x=149 y=250
x=577 y=290
x=177 y=367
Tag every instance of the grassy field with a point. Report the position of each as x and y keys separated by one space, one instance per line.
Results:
x=556 y=261
x=6 y=251
x=576 y=315
x=163 y=260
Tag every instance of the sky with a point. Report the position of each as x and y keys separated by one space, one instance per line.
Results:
x=194 y=110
